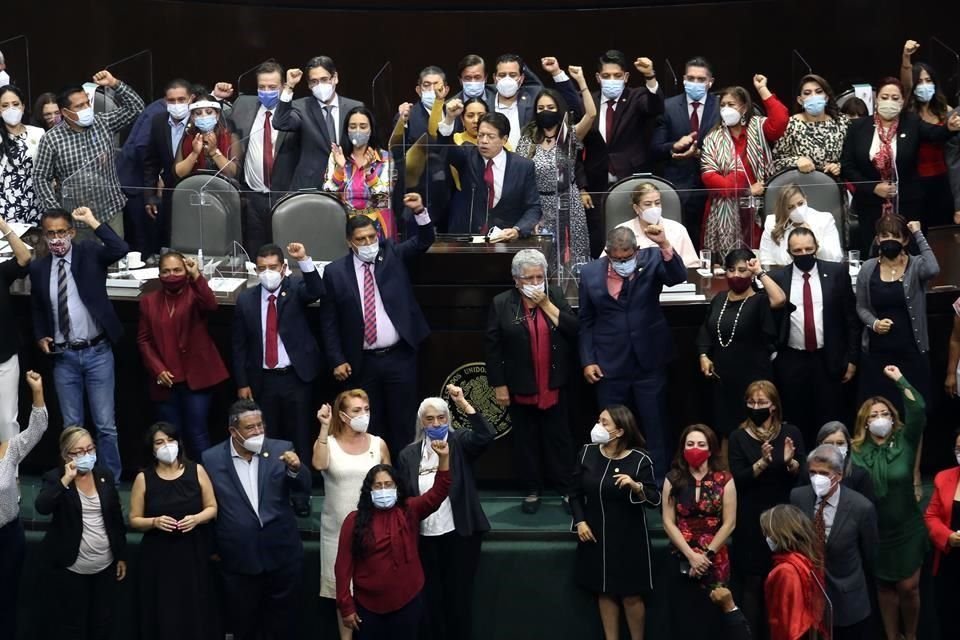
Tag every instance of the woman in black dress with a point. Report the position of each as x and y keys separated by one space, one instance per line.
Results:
x=613 y=485
x=765 y=455
x=171 y=501
x=737 y=338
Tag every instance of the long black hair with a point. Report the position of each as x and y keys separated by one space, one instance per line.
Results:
x=532 y=130
x=679 y=474
x=938 y=103
x=346 y=144
x=9 y=143
x=168 y=430
x=362 y=530
x=36 y=119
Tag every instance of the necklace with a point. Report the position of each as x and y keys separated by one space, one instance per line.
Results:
x=170 y=309
x=736 y=320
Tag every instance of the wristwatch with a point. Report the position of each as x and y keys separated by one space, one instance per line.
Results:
x=710 y=553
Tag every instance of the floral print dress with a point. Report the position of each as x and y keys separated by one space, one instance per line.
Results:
x=822 y=142
x=700 y=520
x=18 y=200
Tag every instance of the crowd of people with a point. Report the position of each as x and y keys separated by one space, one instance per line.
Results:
x=802 y=515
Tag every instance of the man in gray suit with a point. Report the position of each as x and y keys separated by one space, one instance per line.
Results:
x=848 y=523
x=319 y=119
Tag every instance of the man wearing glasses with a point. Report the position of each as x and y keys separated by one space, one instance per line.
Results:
x=75 y=323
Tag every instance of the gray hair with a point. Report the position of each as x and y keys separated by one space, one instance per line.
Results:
x=435 y=403
x=827 y=454
x=527 y=258
x=831 y=428
x=621 y=238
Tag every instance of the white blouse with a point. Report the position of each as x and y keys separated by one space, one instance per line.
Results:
x=824 y=228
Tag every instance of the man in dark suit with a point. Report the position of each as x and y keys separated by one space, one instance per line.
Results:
x=372 y=324
x=319 y=119
x=625 y=342
x=268 y=156
x=75 y=323
x=848 y=523
x=512 y=89
x=819 y=335
x=502 y=185
x=275 y=356
x=685 y=122
x=261 y=555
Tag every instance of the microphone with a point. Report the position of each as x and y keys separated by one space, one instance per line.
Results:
x=673 y=73
x=795 y=55
x=249 y=71
x=473 y=201
x=26 y=60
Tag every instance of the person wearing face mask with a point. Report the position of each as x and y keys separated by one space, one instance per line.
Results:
x=699 y=515
x=646 y=206
x=276 y=359
x=255 y=479
x=172 y=502
x=856 y=478
x=680 y=130
x=343 y=452
x=450 y=538
x=320 y=119
x=373 y=326
x=790 y=212
x=208 y=142
x=380 y=579
x=360 y=172
x=86 y=140
x=624 y=339
x=846 y=526
x=431 y=88
x=512 y=97
x=18 y=148
x=177 y=350
x=86 y=540
x=45 y=113
x=887 y=449
x=613 y=486
x=737 y=337
x=881 y=158
x=942 y=518
x=76 y=325
x=814 y=137
x=530 y=355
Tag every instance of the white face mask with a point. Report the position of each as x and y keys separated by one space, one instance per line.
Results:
x=843 y=449
x=178 y=111
x=167 y=453
x=323 y=91
x=730 y=116
x=771 y=544
x=360 y=423
x=254 y=444
x=530 y=289
x=473 y=88
x=368 y=252
x=889 y=109
x=821 y=485
x=958 y=458
x=12 y=116
x=507 y=87
x=652 y=215
x=599 y=435
x=799 y=214
x=270 y=279
x=881 y=427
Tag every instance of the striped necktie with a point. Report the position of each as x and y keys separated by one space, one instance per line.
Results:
x=369 y=307
x=63 y=310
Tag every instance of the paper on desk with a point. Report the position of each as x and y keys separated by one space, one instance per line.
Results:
x=683 y=287
x=142 y=275
x=226 y=285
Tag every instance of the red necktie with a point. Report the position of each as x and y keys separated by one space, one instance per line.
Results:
x=695 y=118
x=267 y=149
x=491 y=185
x=611 y=113
x=369 y=307
x=271 y=352
x=809 y=328
x=820 y=524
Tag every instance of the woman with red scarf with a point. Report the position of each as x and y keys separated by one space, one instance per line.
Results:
x=795 y=596
x=880 y=158
x=207 y=143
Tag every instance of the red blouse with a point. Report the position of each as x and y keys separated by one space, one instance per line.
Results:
x=224 y=142
x=795 y=602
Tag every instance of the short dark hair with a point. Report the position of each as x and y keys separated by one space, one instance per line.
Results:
x=178 y=83
x=63 y=98
x=168 y=430
x=698 y=61
x=893 y=225
x=498 y=121
x=270 y=66
x=238 y=408
x=470 y=60
x=432 y=70
x=268 y=250
x=198 y=90
x=612 y=56
x=358 y=222
x=737 y=255
x=854 y=107
x=802 y=231
x=346 y=143
x=56 y=214
x=509 y=57
x=321 y=61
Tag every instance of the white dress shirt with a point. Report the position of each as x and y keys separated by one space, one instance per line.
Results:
x=248 y=471
x=283 y=359
x=387 y=335
x=441 y=521
x=796 y=340
x=176 y=133
x=875 y=147
x=829 y=511
x=699 y=108
x=253 y=163
x=82 y=324
x=499 y=171
x=676 y=234
x=824 y=229
x=512 y=112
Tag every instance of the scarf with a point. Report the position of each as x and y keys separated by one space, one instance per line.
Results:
x=540 y=348
x=883 y=161
x=875 y=459
x=795 y=601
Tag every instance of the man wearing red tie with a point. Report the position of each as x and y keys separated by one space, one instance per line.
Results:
x=819 y=336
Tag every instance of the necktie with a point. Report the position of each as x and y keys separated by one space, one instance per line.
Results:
x=267 y=149
x=820 y=524
x=271 y=352
x=695 y=118
x=63 y=311
x=611 y=114
x=331 y=127
x=369 y=307
x=809 y=327
x=491 y=185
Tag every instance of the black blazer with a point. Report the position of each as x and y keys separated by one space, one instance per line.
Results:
x=293 y=297
x=508 y=344
x=286 y=149
x=62 y=540
x=342 y=314
x=160 y=156
x=673 y=125
x=841 y=330
x=526 y=97
x=466 y=445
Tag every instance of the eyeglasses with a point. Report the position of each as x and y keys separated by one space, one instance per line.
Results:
x=83 y=452
x=58 y=234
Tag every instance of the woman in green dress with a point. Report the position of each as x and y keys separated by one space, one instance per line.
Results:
x=885 y=447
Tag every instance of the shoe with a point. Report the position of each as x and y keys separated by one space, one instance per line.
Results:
x=530 y=506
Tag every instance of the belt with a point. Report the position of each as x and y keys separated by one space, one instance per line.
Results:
x=279 y=371
x=80 y=345
x=380 y=352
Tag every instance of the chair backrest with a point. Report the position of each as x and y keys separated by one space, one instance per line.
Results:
x=314 y=219
x=618 y=206
x=205 y=214
x=823 y=193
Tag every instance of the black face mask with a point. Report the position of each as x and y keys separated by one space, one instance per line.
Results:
x=890 y=249
x=548 y=119
x=758 y=416
x=806 y=262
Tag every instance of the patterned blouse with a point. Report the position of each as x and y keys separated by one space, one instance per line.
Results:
x=822 y=142
x=365 y=191
x=699 y=521
x=18 y=199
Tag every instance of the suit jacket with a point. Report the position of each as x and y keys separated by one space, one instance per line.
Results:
x=286 y=149
x=62 y=540
x=466 y=445
x=132 y=161
x=673 y=125
x=305 y=115
x=621 y=335
x=293 y=297
x=951 y=152
x=248 y=545
x=850 y=554
x=841 y=325
x=626 y=153
x=160 y=156
x=342 y=314
x=89 y=268
x=526 y=97
x=509 y=360
x=939 y=514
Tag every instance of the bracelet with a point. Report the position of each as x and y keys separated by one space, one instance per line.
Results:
x=321 y=441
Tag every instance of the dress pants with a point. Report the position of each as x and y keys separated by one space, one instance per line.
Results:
x=542 y=443
x=86 y=605
x=9 y=397
x=258 y=218
x=643 y=392
x=188 y=411
x=12 y=550
x=263 y=606
x=450 y=568
x=389 y=376
x=811 y=395
x=402 y=624
x=137 y=223
x=693 y=199
x=286 y=403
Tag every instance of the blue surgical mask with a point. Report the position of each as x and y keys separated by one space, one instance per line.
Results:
x=627 y=268
x=473 y=88
x=178 y=111
x=205 y=124
x=86 y=462
x=611 y=88
x=85 y=117
x=925 y=92
x=696 y=91
x=437 y=433
x=384 y=498
x=815 y=105
x=428 y=98
x=268 y=99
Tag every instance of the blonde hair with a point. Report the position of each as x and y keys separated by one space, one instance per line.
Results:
x=768 y=389
x=641 y=190
x=69 y=437
x=791 y=530
x=781 y=215
x=337 y=425
x=863 y=415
